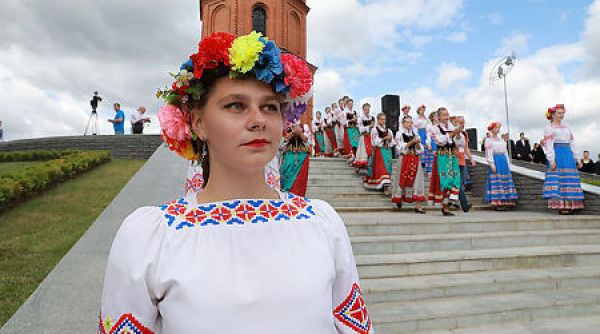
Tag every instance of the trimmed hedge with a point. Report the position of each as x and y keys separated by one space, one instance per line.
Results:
x=35 y=155
x=19 y=184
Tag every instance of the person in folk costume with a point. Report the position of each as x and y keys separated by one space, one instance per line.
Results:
x=408 y=183
x=317 y=129
x=351 y=135
x=340 y=124
x=366 y=123
x=405 y=112
x=500 y=190
x=562 y=185
x=421 y=123
x=279 y=262
x=380 y=162
x=430 y=146
x=329 y=131
x=295 y=164
x=463 y=152
x=445 y=178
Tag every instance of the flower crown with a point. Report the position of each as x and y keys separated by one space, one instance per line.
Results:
x=250 y=54
x=493 y=125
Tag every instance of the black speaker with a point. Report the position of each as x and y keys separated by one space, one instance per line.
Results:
x=390 y=106
x=472 y=132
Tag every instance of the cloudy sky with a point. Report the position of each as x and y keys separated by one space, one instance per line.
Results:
x=55 y=53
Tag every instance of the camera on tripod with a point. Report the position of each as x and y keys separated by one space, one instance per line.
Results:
x=94 y=102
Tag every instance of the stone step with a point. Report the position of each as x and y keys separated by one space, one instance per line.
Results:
x=318 y=176
x=317 y=189
x=331 y=172
x=568 y=325
x=333 y=182
x=417 y=288
x=410 y=264
x=464 y=312
x=396 y=244
x=368 y=224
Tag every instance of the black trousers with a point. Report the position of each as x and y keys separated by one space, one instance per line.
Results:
x=137 y=127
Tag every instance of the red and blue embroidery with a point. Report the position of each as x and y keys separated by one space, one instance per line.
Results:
x=127 y=324
x=237 y=212
x=352 y=312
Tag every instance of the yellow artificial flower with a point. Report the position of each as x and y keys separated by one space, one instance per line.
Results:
x=187 y=151
x=244 y=52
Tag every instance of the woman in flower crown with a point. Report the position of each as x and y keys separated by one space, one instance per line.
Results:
x=501 y=192
x=328 y=129
x=421 y=123
x=237 y=257
x=366 y=123
x=408 y=183
x=380 y=162
x=444 y=184
x=430 y=145
x=562 y=186
x=317 y=130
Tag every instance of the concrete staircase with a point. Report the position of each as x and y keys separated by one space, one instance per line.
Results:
x=481 y=272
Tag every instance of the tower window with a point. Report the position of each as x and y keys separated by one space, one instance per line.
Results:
x=259 y=20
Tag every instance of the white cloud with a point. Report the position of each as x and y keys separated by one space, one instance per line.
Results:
x=494 y=19
x=457 y=37
x=450 y=73
x=329 y=87
x=591 y=40
x=517 y=42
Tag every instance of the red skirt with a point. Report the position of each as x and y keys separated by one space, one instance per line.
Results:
x=331 y=136
x=409 y=168
x=301 y=182
x=436 y=194
x=369 y=145
x=380 y=175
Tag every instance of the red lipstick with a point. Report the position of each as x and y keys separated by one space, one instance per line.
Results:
x=257 y=143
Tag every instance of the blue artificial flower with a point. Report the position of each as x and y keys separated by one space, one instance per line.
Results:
x=280 y=86
x=188 y=65
x=269 y=62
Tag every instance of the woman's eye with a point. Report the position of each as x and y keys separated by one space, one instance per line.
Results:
x=235 y=106
x=271 y=108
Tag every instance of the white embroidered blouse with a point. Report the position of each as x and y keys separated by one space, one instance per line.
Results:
x=238 y=266
x=361 y=128
x=400 y=144
x=495 y=145
x=379 y=142
x=560 y=134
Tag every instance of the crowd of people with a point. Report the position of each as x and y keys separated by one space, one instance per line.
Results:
x=430 y=147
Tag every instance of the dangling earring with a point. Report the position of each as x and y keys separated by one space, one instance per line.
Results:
x=204 y=149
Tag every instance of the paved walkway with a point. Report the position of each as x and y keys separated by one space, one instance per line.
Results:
x=67 y=301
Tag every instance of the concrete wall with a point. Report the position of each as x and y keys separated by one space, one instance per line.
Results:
x=129 y=146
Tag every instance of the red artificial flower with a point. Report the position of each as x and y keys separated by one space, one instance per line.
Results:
x=179 y=90
x=212 y=50
x=297 y=75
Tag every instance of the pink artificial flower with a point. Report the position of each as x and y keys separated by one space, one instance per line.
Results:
x=175 y=123
x=297 y=75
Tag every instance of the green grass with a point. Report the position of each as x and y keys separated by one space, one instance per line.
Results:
x=36 y=234
x=592 y=182
x=14 y=166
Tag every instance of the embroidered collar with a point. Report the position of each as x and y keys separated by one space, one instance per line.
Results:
x=184 y=212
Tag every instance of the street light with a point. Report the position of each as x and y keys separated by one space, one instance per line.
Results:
x=499 y=72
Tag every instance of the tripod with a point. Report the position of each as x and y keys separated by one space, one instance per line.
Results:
x=94 y=121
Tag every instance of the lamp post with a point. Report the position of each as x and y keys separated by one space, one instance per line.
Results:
x=500 y=71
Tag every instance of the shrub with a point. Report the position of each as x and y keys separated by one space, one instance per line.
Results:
x=19 y=184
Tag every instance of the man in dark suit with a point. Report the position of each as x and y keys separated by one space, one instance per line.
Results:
x=510 y=148
x=522 y=148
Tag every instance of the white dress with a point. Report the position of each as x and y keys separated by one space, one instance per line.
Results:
x=237 y=266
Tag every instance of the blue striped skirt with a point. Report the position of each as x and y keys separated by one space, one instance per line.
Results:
x=427 y=155
x=562 y=187
x=500 y=188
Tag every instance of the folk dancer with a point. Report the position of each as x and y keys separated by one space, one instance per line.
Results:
x=380 y=162
x=366 y=123
x=500 y=190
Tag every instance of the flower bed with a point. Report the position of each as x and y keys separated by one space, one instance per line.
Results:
x=18 y=185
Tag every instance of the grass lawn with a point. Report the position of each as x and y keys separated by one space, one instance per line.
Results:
x=592 y=182
x=36 y=234
x=13 y=166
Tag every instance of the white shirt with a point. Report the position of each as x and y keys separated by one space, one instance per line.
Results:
x=231 y=267
x=401 y=147
x=495 y=145
x=136 y=116
x=317 y=125
x=558 y=135
x=361 y=127
x=438 y=137
x=379 y=142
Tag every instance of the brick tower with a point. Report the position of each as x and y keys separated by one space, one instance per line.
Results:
x=283 y=21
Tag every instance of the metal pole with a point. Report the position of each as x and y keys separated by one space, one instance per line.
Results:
x=507 y=120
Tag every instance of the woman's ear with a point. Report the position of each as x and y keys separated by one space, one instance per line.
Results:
x=197 y=124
